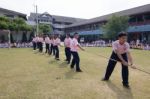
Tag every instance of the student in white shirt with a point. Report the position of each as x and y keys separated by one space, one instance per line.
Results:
x=67 y=43
x=41 y=43
x=121 y=52
x=74 y=50
x=56 y=46
x=52 y=51
x=34 y=43
x=47 y=40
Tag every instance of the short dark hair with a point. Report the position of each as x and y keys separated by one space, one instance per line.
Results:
x=68 y=34
x=121 y=34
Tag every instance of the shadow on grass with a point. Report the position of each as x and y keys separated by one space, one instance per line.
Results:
x=52 y=61
x=121 y=94
x=35 y=52
x=70 y=74
x=63 y=65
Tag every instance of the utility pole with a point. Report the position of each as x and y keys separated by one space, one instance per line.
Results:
x=9 y=42
x=37 y=20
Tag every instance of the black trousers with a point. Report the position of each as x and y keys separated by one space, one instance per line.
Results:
x=111 y=65
x=47 y=48
x=34 y=45
x=40 y=47
x=52 y=50
x=56 y=52
x=68 y=54
x=75 y=60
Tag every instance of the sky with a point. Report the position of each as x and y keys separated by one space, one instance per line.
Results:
x=72 y=8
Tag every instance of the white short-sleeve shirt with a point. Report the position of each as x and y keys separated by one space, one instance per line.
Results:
x=67 y=42
x=56 y=42
x=34 y=39
x=122 y=48
x=74 y=45
x=47 y=40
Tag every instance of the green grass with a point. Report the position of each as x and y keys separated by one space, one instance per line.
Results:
x=25 y=74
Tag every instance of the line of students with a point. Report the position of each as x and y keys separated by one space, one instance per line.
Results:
x=120 y=53
x=52 y=47
x=51 y=44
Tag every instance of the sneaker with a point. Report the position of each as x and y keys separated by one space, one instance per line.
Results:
x=57 y=58
x=104 y=79
x=79 y=71
x=72 y=67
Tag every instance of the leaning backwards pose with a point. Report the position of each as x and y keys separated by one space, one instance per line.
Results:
x=67 y=43
x=56 y=46
x=121 y=52
x=74 y=51
x=47 y=40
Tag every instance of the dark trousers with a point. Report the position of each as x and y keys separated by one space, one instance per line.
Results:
x=40 y=47
x=111 y=65
x=47 y=48
x=75 y=60
x=56 y=52
x=34 y=45
x=68 y=54
x=52 y=50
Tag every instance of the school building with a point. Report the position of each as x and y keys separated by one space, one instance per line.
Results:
x=90 y=29
x=58 y=23
x=139 y=24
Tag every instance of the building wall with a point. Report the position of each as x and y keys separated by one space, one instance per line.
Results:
x=139 y=24
x=11 y=14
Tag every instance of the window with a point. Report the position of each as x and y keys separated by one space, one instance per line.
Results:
x=140 y=18
x=132 y=19
x=147 y=17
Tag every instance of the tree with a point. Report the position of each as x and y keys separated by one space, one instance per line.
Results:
x=20 y=25
x=31 y=36
x=11 y=38
x=44 y=28
x=3 y=25
x=16 y=24
x=24 y=37
x=115 y=25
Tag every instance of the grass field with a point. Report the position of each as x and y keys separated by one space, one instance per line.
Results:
x=25 y=74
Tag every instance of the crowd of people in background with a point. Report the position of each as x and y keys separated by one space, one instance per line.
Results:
x=16 y=45
x=102 y=43
x=99 y=43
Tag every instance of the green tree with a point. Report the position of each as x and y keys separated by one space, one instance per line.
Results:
x=4 y=23
x=115 y=25
x=17 y=25
x=44 y=28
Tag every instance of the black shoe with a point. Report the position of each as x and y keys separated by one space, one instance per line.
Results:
x=126 y=86
x=57 y=58
x=68 y=62
x=79 y=71
x=72 y=67
x=104 y=79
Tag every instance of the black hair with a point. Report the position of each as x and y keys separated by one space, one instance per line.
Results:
x=121 y=34
x=75 y=33
x=68 y=34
